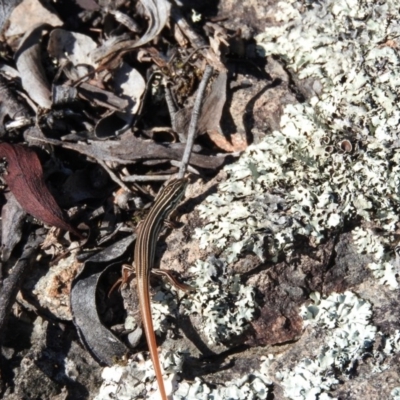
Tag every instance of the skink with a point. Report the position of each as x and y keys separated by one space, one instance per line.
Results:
x=145 y=247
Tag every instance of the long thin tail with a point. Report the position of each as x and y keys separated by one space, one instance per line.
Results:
x=145 y=309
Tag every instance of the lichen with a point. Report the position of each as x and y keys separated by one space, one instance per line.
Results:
x=344 y=320
x=250 y=387
x=384 y=269
x=336 y=157
x=225 y=304
x=130 y=381
x=334 y=160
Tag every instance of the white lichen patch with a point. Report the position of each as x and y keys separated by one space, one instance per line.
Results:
x=163 y=304
x=251 y=387
x=384 y=269
x=226 y=305
x=395 y=393
x=336 y=157
x=385 y=273
x=392 y=343
x=136 y=379
x=391 y=346
x=368 y=242
x=344 y=320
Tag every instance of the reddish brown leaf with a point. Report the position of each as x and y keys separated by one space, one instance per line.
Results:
x=24 y=178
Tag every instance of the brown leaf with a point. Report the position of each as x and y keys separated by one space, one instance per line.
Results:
x=24 y=178
x=210 y=117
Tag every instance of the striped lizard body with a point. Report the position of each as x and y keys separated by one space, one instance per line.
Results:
x=166 y=201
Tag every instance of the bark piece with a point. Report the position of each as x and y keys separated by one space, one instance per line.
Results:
x=129 y=149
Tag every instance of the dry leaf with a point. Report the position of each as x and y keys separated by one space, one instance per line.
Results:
x=29 y=65
x=72 y=46
x=24 y=178
x=28 y=14
x=157 y=12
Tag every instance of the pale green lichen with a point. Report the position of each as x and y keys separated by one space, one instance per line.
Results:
x=130 y=381
x=391 y=344
x=226 y=305
x=251 y=387
x=163 y=304
x=384 y=268
x=385 y=273
x=335 y=158
x=344 y=320
x=395 y=393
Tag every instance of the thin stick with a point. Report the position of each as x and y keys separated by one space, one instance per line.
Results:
x=194 y=120
x=189 y=168
x=145 y=178
x=113 y=176
x=172 y=109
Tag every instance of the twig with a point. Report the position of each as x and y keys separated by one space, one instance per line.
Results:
x=195 y=39
x=194 y=120
x=172 y=109
x=145 y=178
x=189 y=168
x=113 y=176
x=193 y=53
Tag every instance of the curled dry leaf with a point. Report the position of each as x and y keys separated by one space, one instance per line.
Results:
x=210 y=117
x=130 y=86
x=101 y=342
x=126 y=20
x=102 y=97
x=157 y=12
x=24 y=178
x=211 y=110
x=29 y=65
